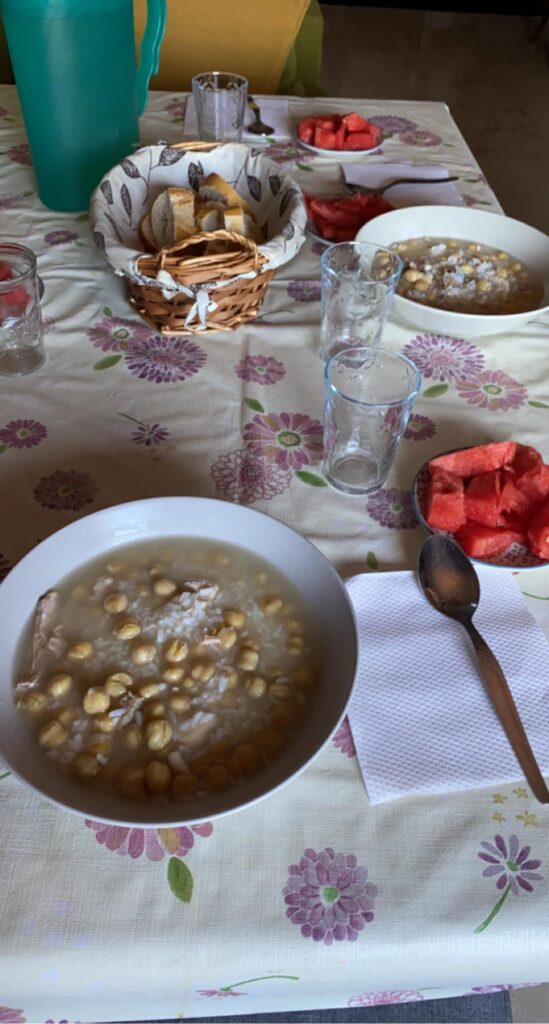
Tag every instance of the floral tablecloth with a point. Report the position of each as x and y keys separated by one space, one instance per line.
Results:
x=313 y=898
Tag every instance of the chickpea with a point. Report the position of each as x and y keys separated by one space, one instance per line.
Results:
x=234 y=617
x=294 y=649
x=294 y=626
x=115 y=603
x=158 y=734
x=164 y=588
x=154 y=709
x=261 y=578
x=245 y=759
x=257 y=687
x=104 y=722
x=411 y=275
x=66 y=716
x=516 y=266
x=173 y=675
x=156 y=569
x=85 y=765
x=189 y=684
x=158 y=776
x=219 y=777
x=203 y=670
x=101 y=745
x=484 y=286
x=132 y=780
x=127 y=629
x=227 y=637
x=115 y=566
x=148 y=690
x=272 y=605
x=466 y=268
x=114 y=688
x=52 y=735
x=184 y=785
x=247 y=660
x=177 y=650
x=502 y=272
x=281 y=691
x=120 y=677
x=34 y=701
x=133 y=736
x=422 y=285
x=232 y=679
x=80 y=651
x=179 y=703
x=503 y=255
x=95 y=700
x=143 y=654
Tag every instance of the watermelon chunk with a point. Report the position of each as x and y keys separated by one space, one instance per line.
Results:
x=470 y=461
x=306 y=134
x=535 y=483
x=482 y=499
x=324 y=138
x=445 y=502
x=355 y=123
x=526 y=458
x=512 y=498
x=342 y=212
x=484 y=542
x=363 y=140
x=538 y=533
x=340 y=137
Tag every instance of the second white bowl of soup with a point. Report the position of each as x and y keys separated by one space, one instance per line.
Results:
x=171 y=660
x=466 y=272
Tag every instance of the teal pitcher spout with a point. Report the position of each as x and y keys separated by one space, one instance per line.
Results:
x=149 y=59
x=79 y=87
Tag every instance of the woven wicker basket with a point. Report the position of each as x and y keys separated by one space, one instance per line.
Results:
x=182 y=289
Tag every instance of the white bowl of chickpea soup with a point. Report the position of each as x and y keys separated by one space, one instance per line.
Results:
x=171 y=660
x=466 y=272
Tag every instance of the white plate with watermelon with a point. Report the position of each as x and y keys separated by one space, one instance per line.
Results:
x=492 y=499
x=339 y=135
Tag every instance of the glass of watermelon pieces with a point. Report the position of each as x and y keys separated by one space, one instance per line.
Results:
x=494 y=500
x=369 y=394
x=358 y=282
x=21 y=335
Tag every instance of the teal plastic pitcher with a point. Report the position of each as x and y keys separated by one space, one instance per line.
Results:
x=80 y=91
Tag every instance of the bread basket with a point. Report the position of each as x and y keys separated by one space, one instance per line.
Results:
x=180 y=290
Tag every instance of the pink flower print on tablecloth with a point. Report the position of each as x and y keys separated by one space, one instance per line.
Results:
x=13 y=202
x=419 y=137
x=20 y=154
x=343 y=739
x=22 y=434
x=260 y=369
x=65 y=490
x=493 y=390
x=329 y=897
x=218 y=993
x=5 y=567
x=155 y=843
x=512 y=868
x=392 y=508
x=304 y=291
x=409 y=995
x=390 y=124
x=443 y=358
x=419 y=428
x=287 y=155
x=114 y=333
x=289 y=439
x=8 y=1016
x=243 y=477
x=163 y=360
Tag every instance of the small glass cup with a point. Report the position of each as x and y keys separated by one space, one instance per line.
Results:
x=21 y=334
x=369 y=394
x=220 y=104
x=358 y=282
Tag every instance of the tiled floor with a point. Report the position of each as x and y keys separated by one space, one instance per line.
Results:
x=497 y=87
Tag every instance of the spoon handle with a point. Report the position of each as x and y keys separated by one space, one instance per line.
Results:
x=505 y=707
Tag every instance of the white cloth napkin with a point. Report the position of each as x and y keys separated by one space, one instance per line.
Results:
x=375 y=174
x=275 y=111
x=421 y=719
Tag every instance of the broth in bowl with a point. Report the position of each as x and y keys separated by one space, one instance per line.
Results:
x=168 y=669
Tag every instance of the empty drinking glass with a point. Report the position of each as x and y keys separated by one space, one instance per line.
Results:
x=21 y=335
x=358 y=281
x=369 y=394
x=220 y=103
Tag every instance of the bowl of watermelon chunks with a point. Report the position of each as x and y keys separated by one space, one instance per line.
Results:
x=492 y=499
x=344 y=133
x=339 y=219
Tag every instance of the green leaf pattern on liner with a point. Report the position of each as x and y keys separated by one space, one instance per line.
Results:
x=435 y=391
x=180 y=879
x=252 y=403
x=310 y=478
x=107 y=362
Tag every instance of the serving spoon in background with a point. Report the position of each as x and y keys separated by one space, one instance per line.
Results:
x=450 y=583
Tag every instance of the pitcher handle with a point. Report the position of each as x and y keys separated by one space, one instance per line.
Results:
x=150 y=49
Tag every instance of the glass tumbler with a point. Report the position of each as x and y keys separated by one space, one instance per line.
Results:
x=358 y=281
x=21 y=334
x=369 y=394
x=220 y=103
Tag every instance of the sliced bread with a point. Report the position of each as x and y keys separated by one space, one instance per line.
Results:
x=216 y=189
x=172 y=216
x=209 y=217
x=237 y=220
x=145 y=233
